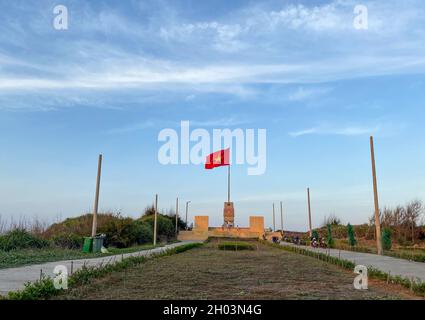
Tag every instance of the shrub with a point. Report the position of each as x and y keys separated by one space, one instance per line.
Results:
x=21 y=239
x=386 y=239
x=41 y=289
x=143 y=231
x=166 y=229
x=68 y=241
x=351 y=238
x=315 y=234
x=180 y=223
x=82 y=225
x=332 y=220
x=235 y=246
x=330 y=241
x=119 y=232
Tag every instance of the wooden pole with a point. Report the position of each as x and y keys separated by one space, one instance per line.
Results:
x=155 y=220
x=274 y=225
x=375 y=195
x=187 y=209
x=309 y=212
x=281 y=217
x=96 y=198
x=177 y=215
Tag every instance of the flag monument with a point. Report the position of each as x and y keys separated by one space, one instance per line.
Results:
x=219 y=159
x=202 y=230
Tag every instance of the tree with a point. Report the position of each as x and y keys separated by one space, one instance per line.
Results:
x=386 y=239
x=315 y=234
x=332 y=220
x=330 y=241
x=180 y=223
x=351 y=237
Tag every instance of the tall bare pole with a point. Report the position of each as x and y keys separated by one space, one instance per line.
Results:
x=177 y=215
x=375 y=195
x=187 y=209
x=228 y=184
x=281 y=217
x=96 y=198
x=274 y=224
x=309 y=212
x=155 y=220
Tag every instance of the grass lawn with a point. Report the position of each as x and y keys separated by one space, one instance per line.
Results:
x=16 y=258
x=210 y=273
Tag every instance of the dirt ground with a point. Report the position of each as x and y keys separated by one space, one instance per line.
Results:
x=209 y=273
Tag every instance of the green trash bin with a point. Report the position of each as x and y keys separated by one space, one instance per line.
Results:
x=98 y=243
x=88 y=244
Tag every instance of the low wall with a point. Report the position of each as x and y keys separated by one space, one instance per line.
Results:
x=243 y=233
x=201 y=231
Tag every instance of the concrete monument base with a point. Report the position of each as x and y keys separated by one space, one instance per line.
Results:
x=202 y=231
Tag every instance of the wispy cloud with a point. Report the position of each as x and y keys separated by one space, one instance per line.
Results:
x=341 y=131
x=232 y=54
x=229 y=122
x=302 y=94
x=132 y=127
x=224 y=122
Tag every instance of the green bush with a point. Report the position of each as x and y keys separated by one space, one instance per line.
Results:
x=386 y=239
x=121 y=232
x=21 y=239
x=68 y=241
x=166 y=229
x=330 y=241
x=41 y=289
x=315 y=235
x=351 y=238
x=235 y=246
x=143 y=232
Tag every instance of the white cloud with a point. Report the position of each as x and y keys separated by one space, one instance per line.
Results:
x=342 y=131
x=229 y=122
x=302 y=93
x=227 y=54
x=132 y=127
x=224 y=122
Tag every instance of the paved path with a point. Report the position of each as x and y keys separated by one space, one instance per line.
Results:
x=12 y=279
x=394 y=266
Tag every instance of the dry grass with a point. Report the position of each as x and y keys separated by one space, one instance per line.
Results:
x=209 y=273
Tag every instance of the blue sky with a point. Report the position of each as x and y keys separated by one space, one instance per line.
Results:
x=125 y=70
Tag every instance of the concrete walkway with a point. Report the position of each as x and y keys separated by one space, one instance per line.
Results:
x=394 y=266
x=14 y=278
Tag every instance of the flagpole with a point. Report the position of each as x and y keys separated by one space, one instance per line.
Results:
x=228 y=183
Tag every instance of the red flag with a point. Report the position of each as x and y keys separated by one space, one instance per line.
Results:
x=218 y=159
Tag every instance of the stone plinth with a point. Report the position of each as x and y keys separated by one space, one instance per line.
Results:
x=201 y=223
x=256 y=223
x=229 y=214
